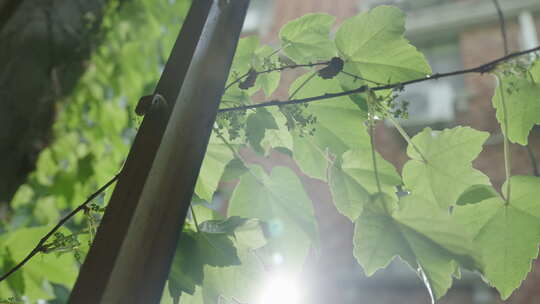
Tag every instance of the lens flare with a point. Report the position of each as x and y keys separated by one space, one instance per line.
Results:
x=280 y=289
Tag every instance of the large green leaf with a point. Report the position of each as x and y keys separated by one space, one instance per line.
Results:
x=348 y=196
x=234 y=284
x=506 y=236
x=373 y=46
x=215 y=245
x=339 y=127
x=42 y=269
x=358 y=163
x=280 y=137
x=522 y=99
x=419 y=232
x=186 y=268
x=307 y=38
x=476 y=194
x=352 y=180
x=266 y=58
x=256 y=126
x=279 y=200
x=243 y=56
x=535 y=71
x=216 y=159
x=443 y=170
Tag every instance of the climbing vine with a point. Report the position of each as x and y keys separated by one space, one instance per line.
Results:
x=440 y=215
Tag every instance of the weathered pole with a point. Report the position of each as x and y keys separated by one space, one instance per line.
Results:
x=131 y=255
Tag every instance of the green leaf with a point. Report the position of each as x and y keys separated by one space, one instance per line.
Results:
x=372 y=46
x=522 y=105
x=352 y=180
x=535 y=71
x=226 y=226
x=269 y=82
x=42 y=269
x=280 y=137
x=307 y=38
x=233 y=170
x=339 y=123
x=418 y=232
x=16 y=280
x=243 y=56
x=235 y=284
x=506 y=236
x=278 y=199
x=217 y=249
x=447 y=170
x=348 y=196
x=212 y=246
x=476 y=194
x=187 y=266
x=202 y=212
x=217 y=157
x=358 y=163
x=240 y=283
x=256 y=125
x=251 y=234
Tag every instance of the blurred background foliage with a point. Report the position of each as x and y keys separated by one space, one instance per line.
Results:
x=93 y=130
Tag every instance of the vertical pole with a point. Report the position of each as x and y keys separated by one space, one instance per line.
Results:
x=130 y=259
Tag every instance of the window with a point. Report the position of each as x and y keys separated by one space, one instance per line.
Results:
x=529 y=36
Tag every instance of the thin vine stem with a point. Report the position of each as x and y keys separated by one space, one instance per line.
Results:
x=302 y=85
x=371 y=122
x=407 y=137
x=506 y=142
x=373 y=153
x=41 y=244
x=481 y=69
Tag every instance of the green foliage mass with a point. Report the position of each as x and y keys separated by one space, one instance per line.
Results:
x=440 y=216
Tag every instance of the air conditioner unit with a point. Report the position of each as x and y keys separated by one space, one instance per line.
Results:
x=429 y=103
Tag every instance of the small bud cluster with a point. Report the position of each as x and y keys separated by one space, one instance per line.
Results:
x=390 y=105
x=63 y=243
x=234 y=122
x=298 y=119
x=11 y=300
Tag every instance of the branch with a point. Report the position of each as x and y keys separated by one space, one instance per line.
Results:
x=481 y=69
x=281 y=68
x=41 y=244
x=506 y=142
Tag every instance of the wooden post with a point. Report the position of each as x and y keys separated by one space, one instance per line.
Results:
x=131 y=256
